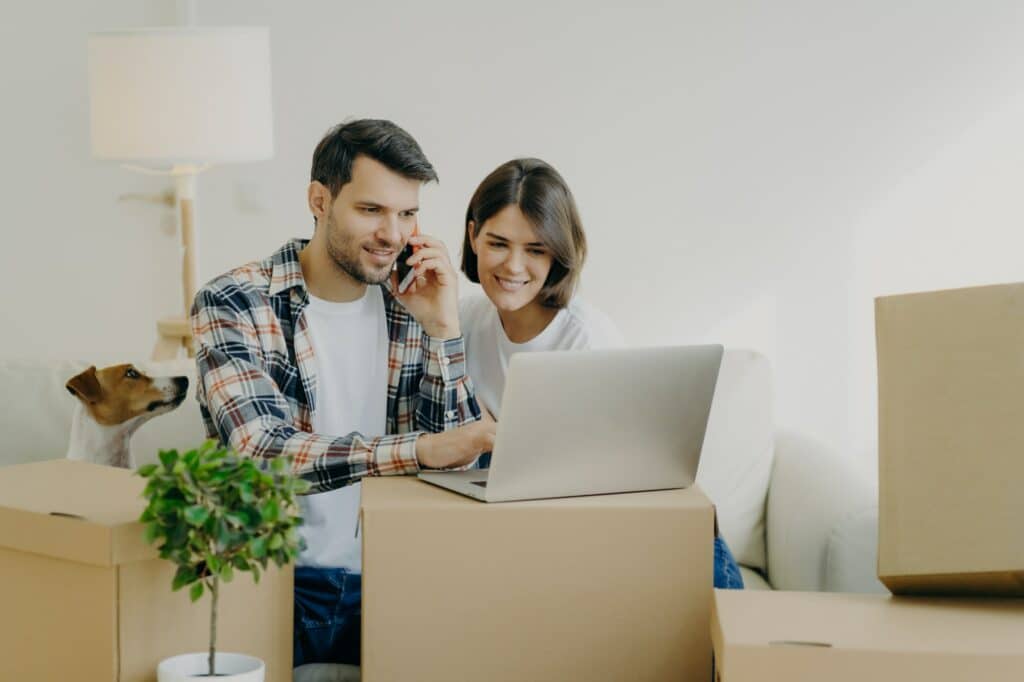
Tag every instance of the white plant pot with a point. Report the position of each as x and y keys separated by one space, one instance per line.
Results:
x=230 y=668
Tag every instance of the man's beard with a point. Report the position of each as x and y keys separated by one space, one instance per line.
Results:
x=345 y=253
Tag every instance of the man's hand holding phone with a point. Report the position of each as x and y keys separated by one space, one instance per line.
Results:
x=431 y=291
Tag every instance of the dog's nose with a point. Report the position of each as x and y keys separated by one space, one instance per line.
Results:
x=181 y=383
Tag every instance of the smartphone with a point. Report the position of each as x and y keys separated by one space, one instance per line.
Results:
x=406 y=272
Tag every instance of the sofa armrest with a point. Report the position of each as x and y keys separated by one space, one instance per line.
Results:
x=812 y=489
x=851 y=559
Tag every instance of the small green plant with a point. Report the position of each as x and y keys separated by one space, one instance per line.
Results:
x=217 y=512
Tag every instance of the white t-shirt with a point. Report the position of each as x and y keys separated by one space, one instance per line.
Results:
x=578 y=326
x=350 y=348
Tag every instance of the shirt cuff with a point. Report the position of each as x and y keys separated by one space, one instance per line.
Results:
x=446 y=358
x=394 y=455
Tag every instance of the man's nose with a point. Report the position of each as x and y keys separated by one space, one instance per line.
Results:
x=389 y=230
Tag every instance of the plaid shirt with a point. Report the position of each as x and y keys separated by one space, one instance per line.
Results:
x=257 y=379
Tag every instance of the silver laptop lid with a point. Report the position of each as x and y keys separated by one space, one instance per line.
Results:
x=602 y=421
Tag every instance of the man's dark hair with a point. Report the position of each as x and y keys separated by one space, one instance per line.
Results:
x=380 y=140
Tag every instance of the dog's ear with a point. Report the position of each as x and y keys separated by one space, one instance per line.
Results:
x=85 y=386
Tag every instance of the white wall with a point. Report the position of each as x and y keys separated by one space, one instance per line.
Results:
x=748 y=172
x=955 y=221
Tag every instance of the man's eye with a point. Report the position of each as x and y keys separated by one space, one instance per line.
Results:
x=131 y=373
x=371 y=209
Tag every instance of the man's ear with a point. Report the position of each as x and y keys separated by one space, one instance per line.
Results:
x=319 y=198
x=471 y=227
x=85 y=386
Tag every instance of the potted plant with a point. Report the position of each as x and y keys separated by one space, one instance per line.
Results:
x=214 y=513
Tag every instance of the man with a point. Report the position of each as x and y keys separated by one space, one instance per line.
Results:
x=312 y=354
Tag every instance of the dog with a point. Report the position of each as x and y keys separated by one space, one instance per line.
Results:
x=113 y=403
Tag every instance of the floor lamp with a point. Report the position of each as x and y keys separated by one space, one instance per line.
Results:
x=174 y=101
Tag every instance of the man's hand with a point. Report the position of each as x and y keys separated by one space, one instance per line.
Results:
x=433 y=297
x=457 y=447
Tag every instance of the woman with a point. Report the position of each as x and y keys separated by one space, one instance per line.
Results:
x=524 y=244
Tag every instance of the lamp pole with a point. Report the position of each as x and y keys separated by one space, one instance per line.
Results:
x=185 y=194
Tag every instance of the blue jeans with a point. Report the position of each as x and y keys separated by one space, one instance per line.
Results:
x=328 y=610
x=727 y=572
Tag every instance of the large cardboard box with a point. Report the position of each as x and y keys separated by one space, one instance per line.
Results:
x=951 y=441
x=85 y=598
x=611 y=587
x=762 y=636
x=816 y=636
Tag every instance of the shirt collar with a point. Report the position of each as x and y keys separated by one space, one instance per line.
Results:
x=285 y=268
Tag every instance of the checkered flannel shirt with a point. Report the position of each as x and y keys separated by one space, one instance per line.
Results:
x=257 y=380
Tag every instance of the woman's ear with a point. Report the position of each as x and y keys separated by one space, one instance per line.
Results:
x=471 y=227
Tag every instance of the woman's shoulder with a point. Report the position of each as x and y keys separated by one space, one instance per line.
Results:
x=587 y=326
x=474 y=303
x=475 y=310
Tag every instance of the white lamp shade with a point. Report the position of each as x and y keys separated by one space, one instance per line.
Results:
x=180 y=96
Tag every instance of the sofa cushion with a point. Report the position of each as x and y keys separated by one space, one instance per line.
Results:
x=736 y=461
x=36 y=411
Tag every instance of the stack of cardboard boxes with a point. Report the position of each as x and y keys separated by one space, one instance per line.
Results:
x=951 y=515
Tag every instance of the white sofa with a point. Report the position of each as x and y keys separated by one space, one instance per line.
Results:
x=796 y=515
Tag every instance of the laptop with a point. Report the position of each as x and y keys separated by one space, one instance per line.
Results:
x=596 y=422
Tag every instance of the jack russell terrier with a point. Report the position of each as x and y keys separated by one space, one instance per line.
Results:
x=113 y=403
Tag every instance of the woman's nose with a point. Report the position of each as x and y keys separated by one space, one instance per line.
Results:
x=515 y=261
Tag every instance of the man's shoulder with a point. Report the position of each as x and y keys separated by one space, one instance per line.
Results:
x=243 y=286
x=251 y=284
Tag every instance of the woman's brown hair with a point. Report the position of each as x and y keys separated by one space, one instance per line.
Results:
x=544 y=198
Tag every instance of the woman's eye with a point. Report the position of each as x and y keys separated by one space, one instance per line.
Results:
x=537 y=252
x=497 y=245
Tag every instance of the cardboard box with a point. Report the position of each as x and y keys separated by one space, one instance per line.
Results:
x=815 y=636
x=951 y=441
x=85 y=598
x=611 y=587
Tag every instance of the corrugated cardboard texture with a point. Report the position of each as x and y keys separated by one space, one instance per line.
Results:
x=613 y=587
x=83 y=597
x=951 y=429
x=803 y=636
x=157 y=623
x=58 y=619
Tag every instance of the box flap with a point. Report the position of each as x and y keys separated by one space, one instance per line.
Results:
x=73 y=510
